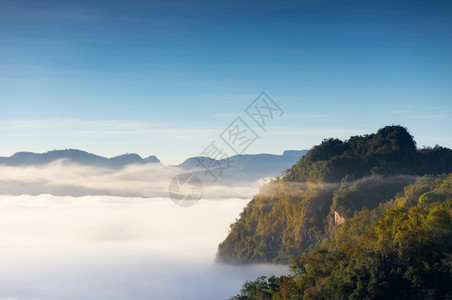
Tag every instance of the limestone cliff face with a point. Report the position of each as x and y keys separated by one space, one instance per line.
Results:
x=338 y=219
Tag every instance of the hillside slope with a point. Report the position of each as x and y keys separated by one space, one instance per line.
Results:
x=327 y=186
x=400 y=250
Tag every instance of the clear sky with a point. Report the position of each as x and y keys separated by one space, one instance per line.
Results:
x=165 y=78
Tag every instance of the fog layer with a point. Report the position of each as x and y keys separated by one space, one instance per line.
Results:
x=63 y=177
x=104 y=247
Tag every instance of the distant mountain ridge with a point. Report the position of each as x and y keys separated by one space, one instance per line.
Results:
x=77 y=156
x=247 y=166
x=76 y=173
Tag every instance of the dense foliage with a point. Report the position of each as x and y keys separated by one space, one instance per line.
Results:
x=294 y=214
x=398 y=250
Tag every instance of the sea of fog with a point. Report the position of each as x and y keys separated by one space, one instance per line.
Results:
x=117 y=247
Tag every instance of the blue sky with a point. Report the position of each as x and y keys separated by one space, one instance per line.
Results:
x=166 y=77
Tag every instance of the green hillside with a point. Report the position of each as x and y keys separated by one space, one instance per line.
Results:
x=329 y=185
x=401 y=249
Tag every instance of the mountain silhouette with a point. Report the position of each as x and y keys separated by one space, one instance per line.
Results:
x=76 y=156
x=245 y=166
x=237 y=167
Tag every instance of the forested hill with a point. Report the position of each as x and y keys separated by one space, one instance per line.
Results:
x=332 y=182
x=400 y=250
x=392 y=150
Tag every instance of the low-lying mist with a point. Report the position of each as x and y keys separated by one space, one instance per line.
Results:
x=70 y=231
x=289 y=188
x=105 y=247
x=64 y=178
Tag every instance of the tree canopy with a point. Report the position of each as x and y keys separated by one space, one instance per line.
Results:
x=293 y=214
x=398 y=250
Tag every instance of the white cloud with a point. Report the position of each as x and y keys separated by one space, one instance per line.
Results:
x=312 y=117
x=62 y=178
x=104 y=247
